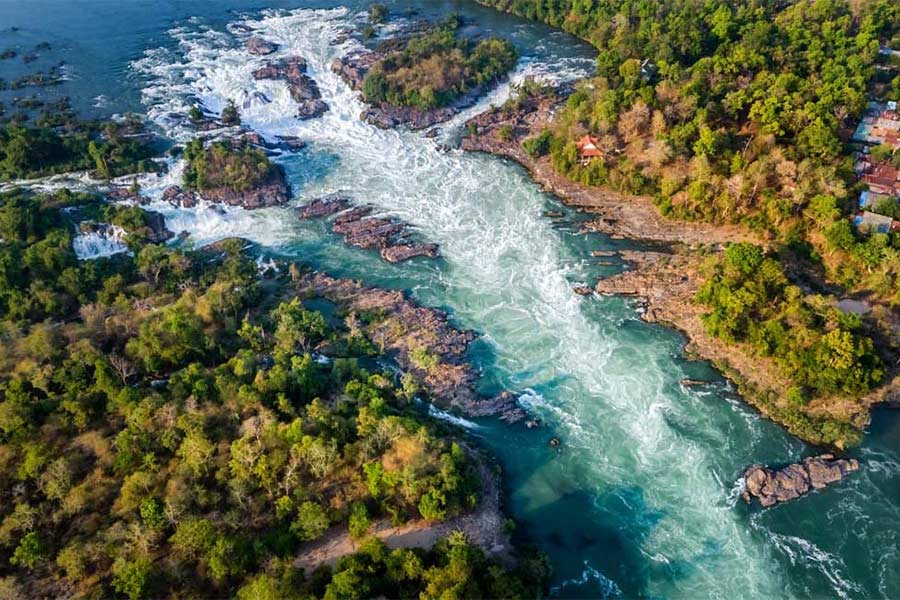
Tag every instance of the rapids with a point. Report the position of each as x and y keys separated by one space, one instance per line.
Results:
x=640 y=500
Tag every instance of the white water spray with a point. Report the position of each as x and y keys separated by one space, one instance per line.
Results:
x=508 y=275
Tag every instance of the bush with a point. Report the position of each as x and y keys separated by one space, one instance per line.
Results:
x=378 y=13
x=538 y=145
x=311 y=523
x=231 y=116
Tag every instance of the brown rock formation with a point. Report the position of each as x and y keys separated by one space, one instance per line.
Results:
x=773 y=486
x=303 y=88
x=260 y=47
x=410 y=332
x=271 y=191
x=323 y=207
x=362 y=231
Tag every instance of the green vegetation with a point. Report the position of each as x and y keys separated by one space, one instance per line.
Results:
x=434 y=69
x=165 y=431
x=452 y=569
x=236 y=167
x=109 y=150
x=231 y=116
x=819 y=348
x=732 y=113
x=377 y=13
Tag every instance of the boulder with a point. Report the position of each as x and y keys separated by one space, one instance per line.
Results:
x=179 y=197
x=291 y=143
x=260 y=47
x=303 y=88
x=771 y=487
x=402 y=252
x=155 y=232
x=323 y=207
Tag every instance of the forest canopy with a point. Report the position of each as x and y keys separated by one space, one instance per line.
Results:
x=434 y=69
x=165 y=428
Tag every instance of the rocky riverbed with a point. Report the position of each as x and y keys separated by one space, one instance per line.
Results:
x=361 y=230
x=420 y=339
x=771 y=487
x=303 y=88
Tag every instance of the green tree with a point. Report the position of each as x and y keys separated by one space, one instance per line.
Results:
x=311 y=522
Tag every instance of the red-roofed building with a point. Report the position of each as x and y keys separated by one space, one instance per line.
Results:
x=883 y=179
x=589 y=149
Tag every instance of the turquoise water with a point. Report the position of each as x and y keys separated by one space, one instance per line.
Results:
x=641 y=498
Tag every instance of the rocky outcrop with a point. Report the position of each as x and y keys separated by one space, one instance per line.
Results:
x=290 y=143
x=771 y=487
x=388 y=236
x=155 y=230
x=271 y=191
x=421 y=339
x=303 y=88
x=179 y=197
x=353 y=68
x=323 y=207
x=402 y=252
x=260 y=47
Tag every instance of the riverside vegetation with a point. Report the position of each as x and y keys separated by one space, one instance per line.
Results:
x=733 y=114
x=62 y=144
x=165 y=427
x=434 y=70
x=738 y=115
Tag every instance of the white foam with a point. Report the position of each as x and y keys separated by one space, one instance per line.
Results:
x=606 y=588
x=507 y=273
x=443 y=415
x=105 y=242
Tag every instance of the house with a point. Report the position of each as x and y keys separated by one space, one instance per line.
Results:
x=883 y=179
x=870 y=222
x=880 y=125
x=869 y=199
x=589 y=149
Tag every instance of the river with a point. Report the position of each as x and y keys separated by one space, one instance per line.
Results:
x=641 y=498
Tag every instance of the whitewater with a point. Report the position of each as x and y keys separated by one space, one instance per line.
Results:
x=641 y=499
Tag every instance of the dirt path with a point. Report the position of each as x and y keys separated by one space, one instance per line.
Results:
x=483 y=526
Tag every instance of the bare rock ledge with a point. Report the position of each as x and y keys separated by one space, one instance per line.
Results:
x=772 y=487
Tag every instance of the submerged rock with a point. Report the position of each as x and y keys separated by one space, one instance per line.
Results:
x=401 y=252
x=583 y=290
x=257 y=45
x=290 y=143
x=771 y=487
